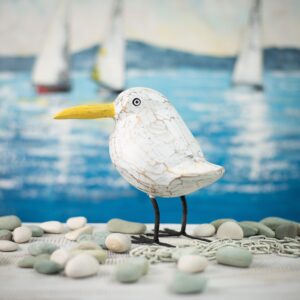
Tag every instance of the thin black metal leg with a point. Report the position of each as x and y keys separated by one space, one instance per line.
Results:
x=142 y=239
x=170 y=232
x=184 y=215
x=157 y=220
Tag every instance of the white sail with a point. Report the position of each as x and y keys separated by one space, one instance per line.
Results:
x=52 y=65
x=110 y=64
x=248 y=69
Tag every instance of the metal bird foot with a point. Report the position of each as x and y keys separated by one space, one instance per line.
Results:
x=167 y=232
x=142 y=239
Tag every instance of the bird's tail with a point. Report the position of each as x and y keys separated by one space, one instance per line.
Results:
x=194 y=169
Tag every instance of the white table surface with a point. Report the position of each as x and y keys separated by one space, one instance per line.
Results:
x=269 y=277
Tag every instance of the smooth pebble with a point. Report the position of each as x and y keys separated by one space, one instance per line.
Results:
x=230 y=230
x=52 y=227
x=29 y=261
x=38 y=248
x=262 y=229
x=274 y=222
x=177 y=253
x=8 y=246
x=286 y=230
x=5 y=235
x=234 y=256
x=122 y=226
x=87 y=245
x=82 y=265
x=97 y=237
x=99 y=254
x=192 y=263
x=128 y=272
x=76 y=222
x=9 y=222
x=46 y=266
x=37 y=231
x=42 y=256
x=187 y=283
x=141 y=262
x=73 y=235
x=26 y=262
x=204 y=230
x=22 y=234
x=118 y=242
x=248 y=230
x=60 y=256
x=217 y=223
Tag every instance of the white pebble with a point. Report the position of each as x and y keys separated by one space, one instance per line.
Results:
x=73 y=235
x=204 y=230
x=82 y=265
x=60 y=256
x=76 y=222
x=52 y=227
x=22 y=234
x=192 y=263
x=7 y=246
x=230 y=230
x=118 y=242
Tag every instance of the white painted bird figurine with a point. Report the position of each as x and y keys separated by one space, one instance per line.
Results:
x=152 y=148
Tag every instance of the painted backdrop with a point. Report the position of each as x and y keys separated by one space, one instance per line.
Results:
x=187 y=51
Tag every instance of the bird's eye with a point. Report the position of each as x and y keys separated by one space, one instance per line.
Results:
x=136 y=101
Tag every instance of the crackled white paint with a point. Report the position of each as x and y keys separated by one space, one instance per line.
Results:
x=153 y=149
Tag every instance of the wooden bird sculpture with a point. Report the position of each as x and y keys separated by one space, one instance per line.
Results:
x=153 y=149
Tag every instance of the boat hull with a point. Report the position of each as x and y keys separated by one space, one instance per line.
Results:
x=44 y=89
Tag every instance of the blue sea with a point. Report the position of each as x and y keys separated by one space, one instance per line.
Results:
x=56 y=169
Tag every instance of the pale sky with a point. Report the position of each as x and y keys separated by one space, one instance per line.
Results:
x=199 y=26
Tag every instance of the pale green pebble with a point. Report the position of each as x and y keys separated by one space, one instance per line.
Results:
x=128 y=272
x=10 y=222
x=99 y=238
x=286 y=230
x=177 y=253
x=27 y=262
x=298 y=232
x=86 y=237
x=234 y=256
x=48 y=267
x=262 y=229
x=5 y=235
x=186 y=283
x=248 y=230
x=37 y=231
x=141 y=262
x=99 y=254
x=122 y=226
x=41 y=248
x=42 y=256
x=274 y=222
x=87 y=245
x=217 y=223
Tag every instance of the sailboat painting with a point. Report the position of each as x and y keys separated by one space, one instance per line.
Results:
x=248 y=69
x=109 y=70
x=51 y=170
x=51 y=69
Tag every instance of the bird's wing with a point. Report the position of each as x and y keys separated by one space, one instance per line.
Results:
x=169 y=133
x=154 y=145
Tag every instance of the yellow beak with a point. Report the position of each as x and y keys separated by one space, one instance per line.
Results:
x=92 y=111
